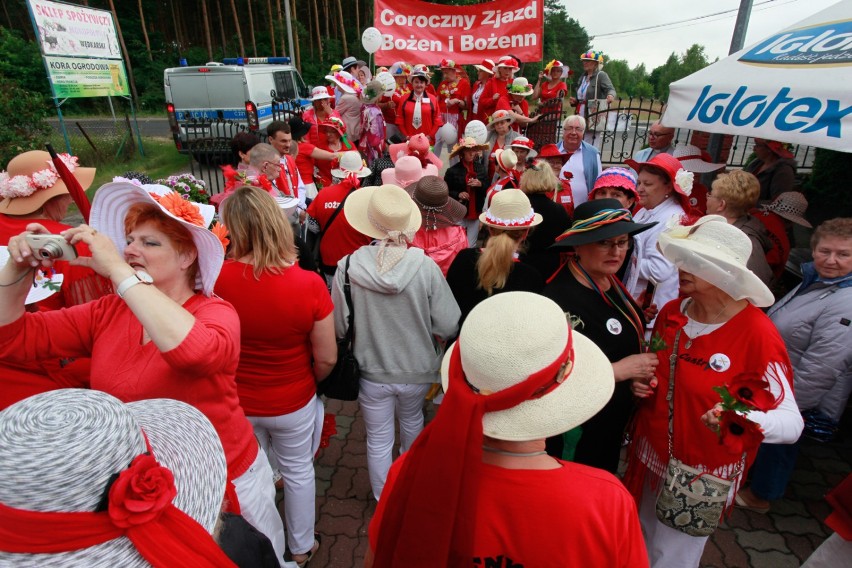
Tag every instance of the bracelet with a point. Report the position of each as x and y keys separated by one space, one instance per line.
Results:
x=21 y=277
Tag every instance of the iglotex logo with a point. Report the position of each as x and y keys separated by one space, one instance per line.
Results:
x=752 y=108
x=825 y=44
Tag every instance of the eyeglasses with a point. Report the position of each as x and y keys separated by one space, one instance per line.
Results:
x=659 y=134
x=574 y=128
x=609 y=245
x=275 y=165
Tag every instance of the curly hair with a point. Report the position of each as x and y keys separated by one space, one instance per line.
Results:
x=840 y=227
x=739 y=189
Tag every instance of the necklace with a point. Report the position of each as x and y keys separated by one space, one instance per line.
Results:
x=712 y=321
x=513 y=454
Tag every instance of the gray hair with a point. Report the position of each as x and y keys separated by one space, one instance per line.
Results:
x=261 y=153
x=574 y=118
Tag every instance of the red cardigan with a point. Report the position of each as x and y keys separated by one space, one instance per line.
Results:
x=430 y=113
x=200 y=371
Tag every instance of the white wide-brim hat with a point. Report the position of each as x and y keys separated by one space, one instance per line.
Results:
x=60 y=450
x=44 y=285
x=717 y=252
x=351 y=163
x=345 y=82
x=320 y=93
x=377 y=211
x=691 y=160
x=113 y=200
x=510 y=209
x=512 y=335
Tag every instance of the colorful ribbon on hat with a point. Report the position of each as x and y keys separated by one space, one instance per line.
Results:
x=603 y=218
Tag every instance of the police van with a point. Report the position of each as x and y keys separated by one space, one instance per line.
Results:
x=210 y=101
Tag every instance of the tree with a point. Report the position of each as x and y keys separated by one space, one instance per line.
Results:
x=676 y=68
x=22 y=120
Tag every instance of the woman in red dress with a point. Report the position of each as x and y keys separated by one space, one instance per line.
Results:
x=549 y=88
x=498 y=85
x=484 y=73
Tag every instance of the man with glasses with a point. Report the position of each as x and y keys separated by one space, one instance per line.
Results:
x=659 y=142
x=584 y=161
x=287 y=179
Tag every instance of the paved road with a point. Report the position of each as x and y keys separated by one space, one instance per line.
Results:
x=158 y=127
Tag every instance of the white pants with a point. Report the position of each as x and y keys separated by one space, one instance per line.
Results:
x=667 y=547
x=292 y=439
x=833 y=553
x=256 y=494
x=379 y=403
x=471 y=226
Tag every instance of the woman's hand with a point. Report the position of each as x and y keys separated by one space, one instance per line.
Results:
x=641 y=366
x=651 y=312
x=105 y=259
x=464 y=196
x=474 y=183
x=609 y=98
x=20 y=252
x=496 y=96
x=643 y=388
x=711 y=417
x=572 y=101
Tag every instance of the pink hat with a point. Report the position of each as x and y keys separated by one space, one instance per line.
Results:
x=621 y=178
x=417 y=145
x=407 y=172
x=674 y=170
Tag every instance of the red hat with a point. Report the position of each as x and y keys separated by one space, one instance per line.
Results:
x=508 y=61
x=487 y=65
x=681 y=178
x=552 y=151
x=526 y=143
x=777 y=148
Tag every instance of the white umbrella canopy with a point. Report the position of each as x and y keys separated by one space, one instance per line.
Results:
x=794 y=86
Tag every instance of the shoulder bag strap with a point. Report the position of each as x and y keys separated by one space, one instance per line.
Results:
x=347 y=293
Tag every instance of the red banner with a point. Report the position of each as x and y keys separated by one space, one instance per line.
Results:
x=420 y=32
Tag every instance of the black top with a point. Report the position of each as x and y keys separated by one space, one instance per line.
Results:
x=555 y=221
x=600 y=443
x=456 y=178
x=464 y=279
x=246 y=546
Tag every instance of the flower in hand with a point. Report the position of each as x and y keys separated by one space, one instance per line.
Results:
x=141 y=492
x=738 y=433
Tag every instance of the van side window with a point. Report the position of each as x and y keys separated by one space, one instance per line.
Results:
x=284 y=84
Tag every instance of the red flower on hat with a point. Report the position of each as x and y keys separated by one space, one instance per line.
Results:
x=738 y=434
x=141 y=492
x=752 y=390
x=175 y=204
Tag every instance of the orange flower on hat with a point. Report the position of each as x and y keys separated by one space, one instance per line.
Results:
x=175 y=204
x=221 y=232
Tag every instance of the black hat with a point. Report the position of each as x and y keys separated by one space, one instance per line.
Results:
x=598 y=220
x=298 y=127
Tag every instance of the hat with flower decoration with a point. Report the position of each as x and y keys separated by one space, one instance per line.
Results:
x=591 y=55
x=30 y=180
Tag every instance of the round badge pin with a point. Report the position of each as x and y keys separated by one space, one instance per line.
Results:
x=720 y=362
x=613 y=326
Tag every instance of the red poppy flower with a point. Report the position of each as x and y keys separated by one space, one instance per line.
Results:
x=141 y=492
x=752 y=390
x=738 y=434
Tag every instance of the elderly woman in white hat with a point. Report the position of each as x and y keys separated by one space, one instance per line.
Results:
x=133 y=485
x=477 y=273
x=713 y=337
x=403 y=311
x=550 y=84
x=517 y=375
x=162 y=335
x=319 y=111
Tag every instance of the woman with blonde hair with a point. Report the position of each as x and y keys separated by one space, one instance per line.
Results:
x=477 y=274
x=286 y=348
x=539 y=182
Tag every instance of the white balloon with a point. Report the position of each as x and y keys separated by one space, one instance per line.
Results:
x=476 y=129
x=371 y=39
x=388 y=82
x=448 y=134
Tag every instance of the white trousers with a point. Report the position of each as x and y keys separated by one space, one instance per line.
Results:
x=256 y=494
x=380 y=403
x=291 y=437
x=833 y=553
x=667 y=547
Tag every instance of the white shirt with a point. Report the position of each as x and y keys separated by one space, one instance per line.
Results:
x=578 y=181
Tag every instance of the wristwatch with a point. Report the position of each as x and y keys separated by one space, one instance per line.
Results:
x=138 y=277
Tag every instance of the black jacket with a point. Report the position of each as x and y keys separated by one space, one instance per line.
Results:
x=456 y=178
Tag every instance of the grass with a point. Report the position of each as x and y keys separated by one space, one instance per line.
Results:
x=161 y=160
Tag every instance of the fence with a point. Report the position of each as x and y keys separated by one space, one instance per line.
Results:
x=98 y=141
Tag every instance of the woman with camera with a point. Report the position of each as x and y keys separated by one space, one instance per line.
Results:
x=162 y=335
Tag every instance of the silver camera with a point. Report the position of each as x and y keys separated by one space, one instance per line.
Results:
x=51 y=247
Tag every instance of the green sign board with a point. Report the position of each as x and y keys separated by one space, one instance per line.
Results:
x=73 y=77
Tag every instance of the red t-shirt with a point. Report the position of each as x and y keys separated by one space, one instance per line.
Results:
x=548 y=93
x=571 y=516
x=304 y=162
x=340 y=239
x=777 y=256
x=277 y=314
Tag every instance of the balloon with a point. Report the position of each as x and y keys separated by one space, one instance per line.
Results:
x=476 y=129
x=371 y=39
x=388 y=82
x=448 y=134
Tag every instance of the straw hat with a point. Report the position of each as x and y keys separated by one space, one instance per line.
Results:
x=477 y=130
x=113 y=200
x=521 y=86
x=510 y=336
x=510 y=209
x=487 y=65
x=717 y=252
x=345 y=82
x=681 y=178
x=319 y=93
x=498 y=116
x=61 y=450
x=407 y=171
x=790 y=205
x=693 y=159
x=418 y=145
x=508 y=62
x=467 y=143
x=598 y=220
x=30 y=180
x=506 y=159
x=379 y=211
x=351 y=163
x=776 y=147
x=437 y=208
x=591 y=55
x=621 y=178
x=526 y=144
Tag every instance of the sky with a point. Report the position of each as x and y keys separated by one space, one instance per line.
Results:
x=653 y=47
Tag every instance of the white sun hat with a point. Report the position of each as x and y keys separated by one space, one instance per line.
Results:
x=717 y=252
x=113 y=200
x=510 y=209
x=351 y=163
x=381 y=211
x=75 y=450
x=512 y=335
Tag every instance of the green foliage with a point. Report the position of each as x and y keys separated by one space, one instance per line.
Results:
x=22 y=120
x=678 y=67
x=20 y=61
